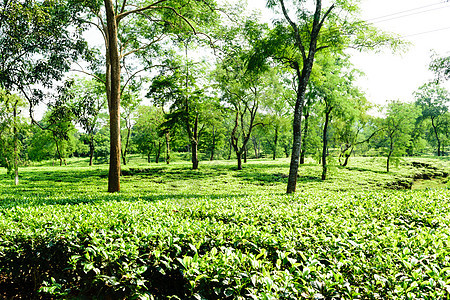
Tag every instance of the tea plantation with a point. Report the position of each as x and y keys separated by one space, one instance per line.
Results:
x=219 y=233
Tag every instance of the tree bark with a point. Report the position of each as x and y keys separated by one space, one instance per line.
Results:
x=303 y=78
x=239 y=160
x=16 y=154
x=275 y=144
x=113 y=93
x=325 y=144
x=125 y=150
x=91 y=149
x=167 y=135
x=437 y=137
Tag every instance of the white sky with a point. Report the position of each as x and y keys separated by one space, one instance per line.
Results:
x=396 y=76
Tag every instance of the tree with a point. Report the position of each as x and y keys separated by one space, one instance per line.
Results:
x=87 y=103
x=334 y=86
x=38 y=42
x=11 y=123
x=130 y=103
x=433 y=99
x=147 y=23
x=242 y=90
x=397 y=127
x=295 y=42
x=147 y=135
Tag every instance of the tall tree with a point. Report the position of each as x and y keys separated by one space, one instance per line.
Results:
x=433 y=99
x=147 y=23
x=299 y=36
x=87 y=103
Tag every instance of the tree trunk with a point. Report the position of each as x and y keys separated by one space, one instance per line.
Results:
x=239 y=160
x=167 y=135
x=255 y=147
x=303 y=79
x=391 y=150
x=305 y=136
x=148 y=157
x=230 y=149
x=158 y=152
x=91 y=149
x=325 y=144
x=194 y=147
x=213 y=148
x=275 y=144
x=437 y=137
x=58 y=153
x=113 y=93
x=16 y=151
x=194 y=144
x=127 y=142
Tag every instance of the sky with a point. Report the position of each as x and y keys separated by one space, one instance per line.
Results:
x=388 y=76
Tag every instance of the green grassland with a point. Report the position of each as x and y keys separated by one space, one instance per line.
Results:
x=220 y=233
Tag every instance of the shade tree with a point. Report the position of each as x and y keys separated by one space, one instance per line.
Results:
x=130 y=29
x=434 y=101
x=302 y=32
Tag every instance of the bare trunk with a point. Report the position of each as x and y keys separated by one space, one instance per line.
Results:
x=58 y=152
x=194 y=156
x=325 y=145
x=167 y=135
x=194 y=144
x=239 y=160
x=16 y=151
x=158 y=152
x=275 y=144
x=113 y=91
x=91 y=149
x=127 y=142
x=437 y=137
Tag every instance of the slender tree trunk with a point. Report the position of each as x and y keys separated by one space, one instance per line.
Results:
x=437 y=137
x=158 y=152
x=58 y=152
x=167 y=135
x=305 y=136
x=213 y=148
x=148 y=158
x=194 y=144
x=91 y=149
x=194 y=147
x=113 y=91
x=16 y=150
x=303 y=79
x=127 y=142
x=275 y=144
x=325 y=144
x=391 y=150
x=230 y=149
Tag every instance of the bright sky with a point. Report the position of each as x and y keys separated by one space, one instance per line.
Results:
x=424 y=23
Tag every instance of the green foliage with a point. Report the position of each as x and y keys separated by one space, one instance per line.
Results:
x=242 y=239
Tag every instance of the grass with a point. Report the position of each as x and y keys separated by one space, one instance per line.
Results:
x=219 y=233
